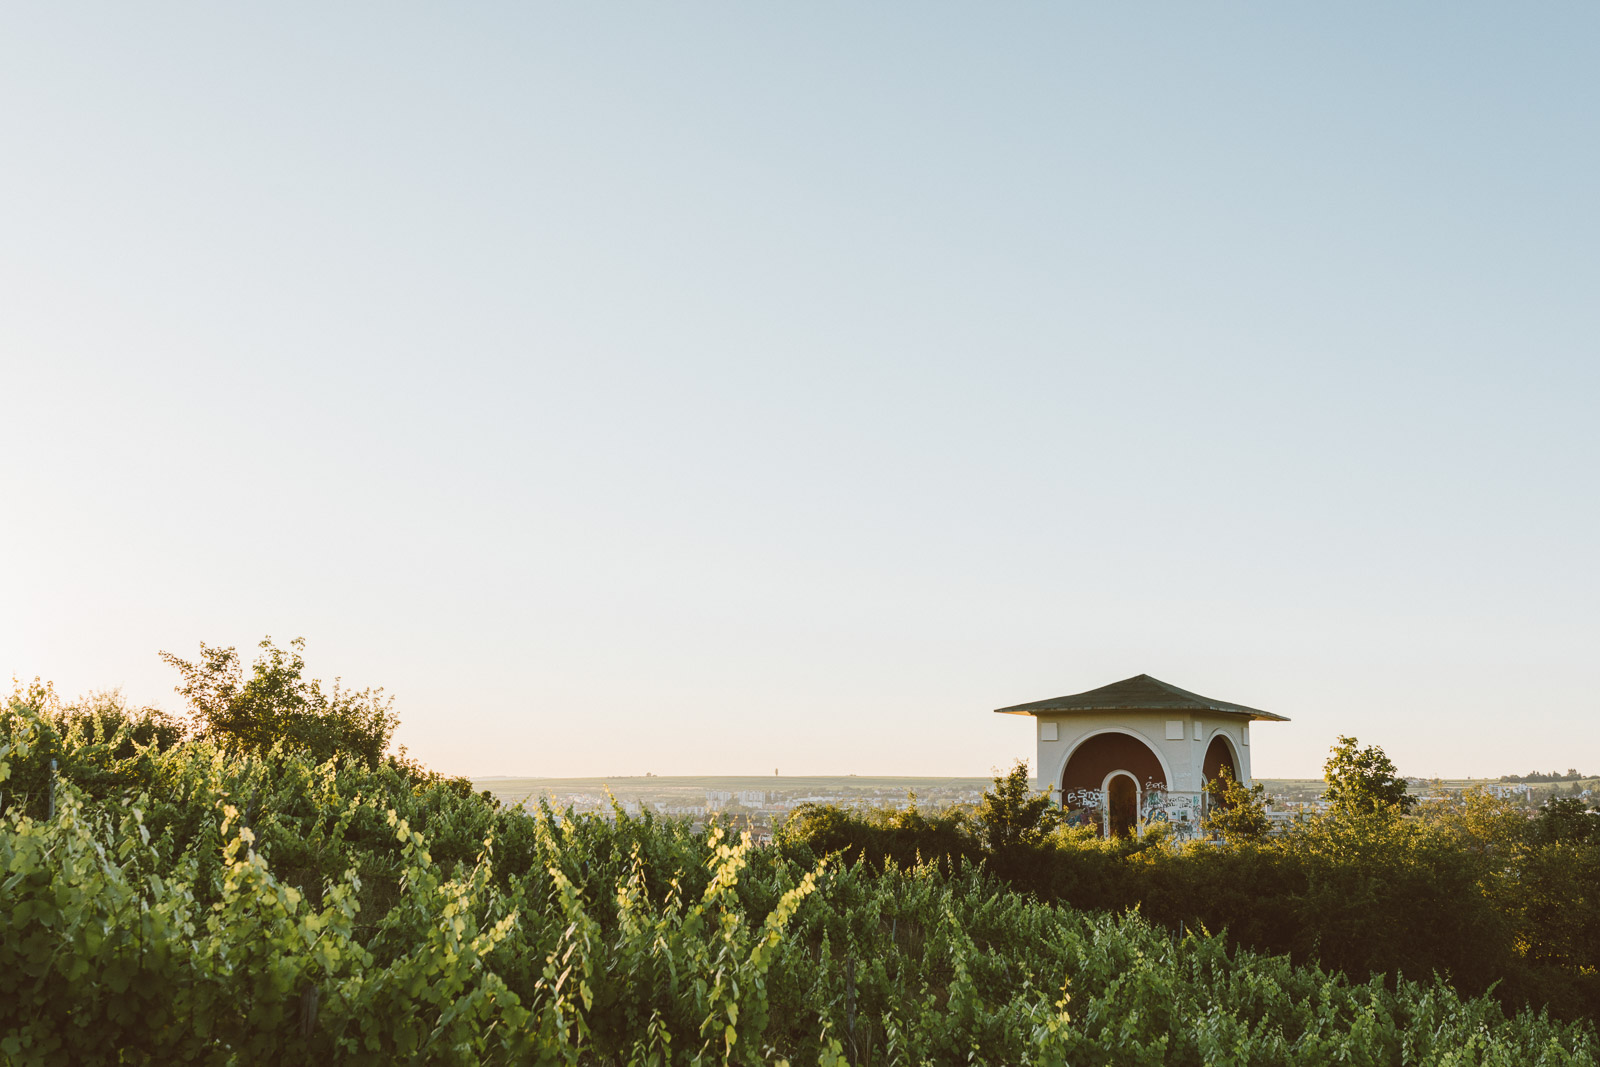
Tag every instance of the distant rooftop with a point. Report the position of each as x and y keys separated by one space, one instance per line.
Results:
x=1139 y=693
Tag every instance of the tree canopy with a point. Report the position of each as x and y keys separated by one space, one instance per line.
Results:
x=1237 y=814
x=1364 y=780
x=1014 y=813
x=277 y=703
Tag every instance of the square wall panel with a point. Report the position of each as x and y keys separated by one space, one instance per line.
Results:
x=1174 y=729
x=1047 y=731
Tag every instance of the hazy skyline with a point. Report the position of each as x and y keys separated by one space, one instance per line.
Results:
x=710 y=390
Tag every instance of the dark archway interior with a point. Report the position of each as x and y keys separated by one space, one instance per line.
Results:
x=1122 y=805
x=1218 y=756
x=1104 y=753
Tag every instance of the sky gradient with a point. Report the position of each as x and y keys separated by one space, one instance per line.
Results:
x=720 y=389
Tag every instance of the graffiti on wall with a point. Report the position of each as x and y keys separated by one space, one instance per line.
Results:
x=1084 y=798
x=1179 y=810
x=1083 y=807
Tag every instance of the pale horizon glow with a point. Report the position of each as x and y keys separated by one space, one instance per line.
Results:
x=721 y=389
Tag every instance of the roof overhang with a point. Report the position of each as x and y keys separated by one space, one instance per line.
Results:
x=1140 y=693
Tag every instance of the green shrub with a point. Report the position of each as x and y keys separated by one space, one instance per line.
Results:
x=205 y=904
x=278 y=705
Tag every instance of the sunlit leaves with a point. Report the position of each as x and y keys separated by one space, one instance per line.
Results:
x=242 y=908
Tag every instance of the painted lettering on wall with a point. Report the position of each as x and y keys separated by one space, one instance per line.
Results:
x=1179 y=811
x=1084 y=798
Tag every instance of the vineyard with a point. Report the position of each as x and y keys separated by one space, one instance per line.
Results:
x=170 y=896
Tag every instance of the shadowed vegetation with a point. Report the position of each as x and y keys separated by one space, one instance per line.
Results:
x=207 y=897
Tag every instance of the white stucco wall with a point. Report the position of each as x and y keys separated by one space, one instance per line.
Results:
x=1182 y=759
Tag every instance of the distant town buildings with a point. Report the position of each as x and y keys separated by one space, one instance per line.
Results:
x=1119 y=758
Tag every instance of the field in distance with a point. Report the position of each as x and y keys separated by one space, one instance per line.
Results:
x=1307 y=789
x=688 y=795
x=682 y=795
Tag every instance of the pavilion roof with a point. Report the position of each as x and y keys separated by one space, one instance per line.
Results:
x=1139 y=693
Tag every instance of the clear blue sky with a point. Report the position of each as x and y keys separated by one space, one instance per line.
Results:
x=713 y=388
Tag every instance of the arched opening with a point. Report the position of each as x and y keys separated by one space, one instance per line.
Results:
x=1085 y=781
x=1218 y=756
x=1122 y=804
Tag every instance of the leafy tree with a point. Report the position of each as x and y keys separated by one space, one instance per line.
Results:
x=277 y=703
x=1013 y=813
x=192 y=905
x=1566 y=819
x=346 y=915
x=1237 y=814
x=1364 y=780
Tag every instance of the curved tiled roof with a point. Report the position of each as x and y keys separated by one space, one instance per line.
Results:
x=1139 y=693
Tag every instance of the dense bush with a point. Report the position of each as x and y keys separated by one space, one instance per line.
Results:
x=1472 y=891
x=278 y=705
x=189 y=902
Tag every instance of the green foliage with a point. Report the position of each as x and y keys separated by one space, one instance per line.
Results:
x=277 y=704
x=1383 y=894
x=1473 y=891
x=99 y=742
x=194 y=903
x=1238 y=815
x=1364 y=780
x=1566 y=820
x=905 y=837
x=1012 y=813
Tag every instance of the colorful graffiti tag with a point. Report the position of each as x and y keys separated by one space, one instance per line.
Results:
x=1084 y=798
x=1083 y=807
x=1179 y=810
x=1182 y=811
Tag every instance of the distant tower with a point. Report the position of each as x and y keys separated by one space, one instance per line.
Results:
x=1137 y=751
